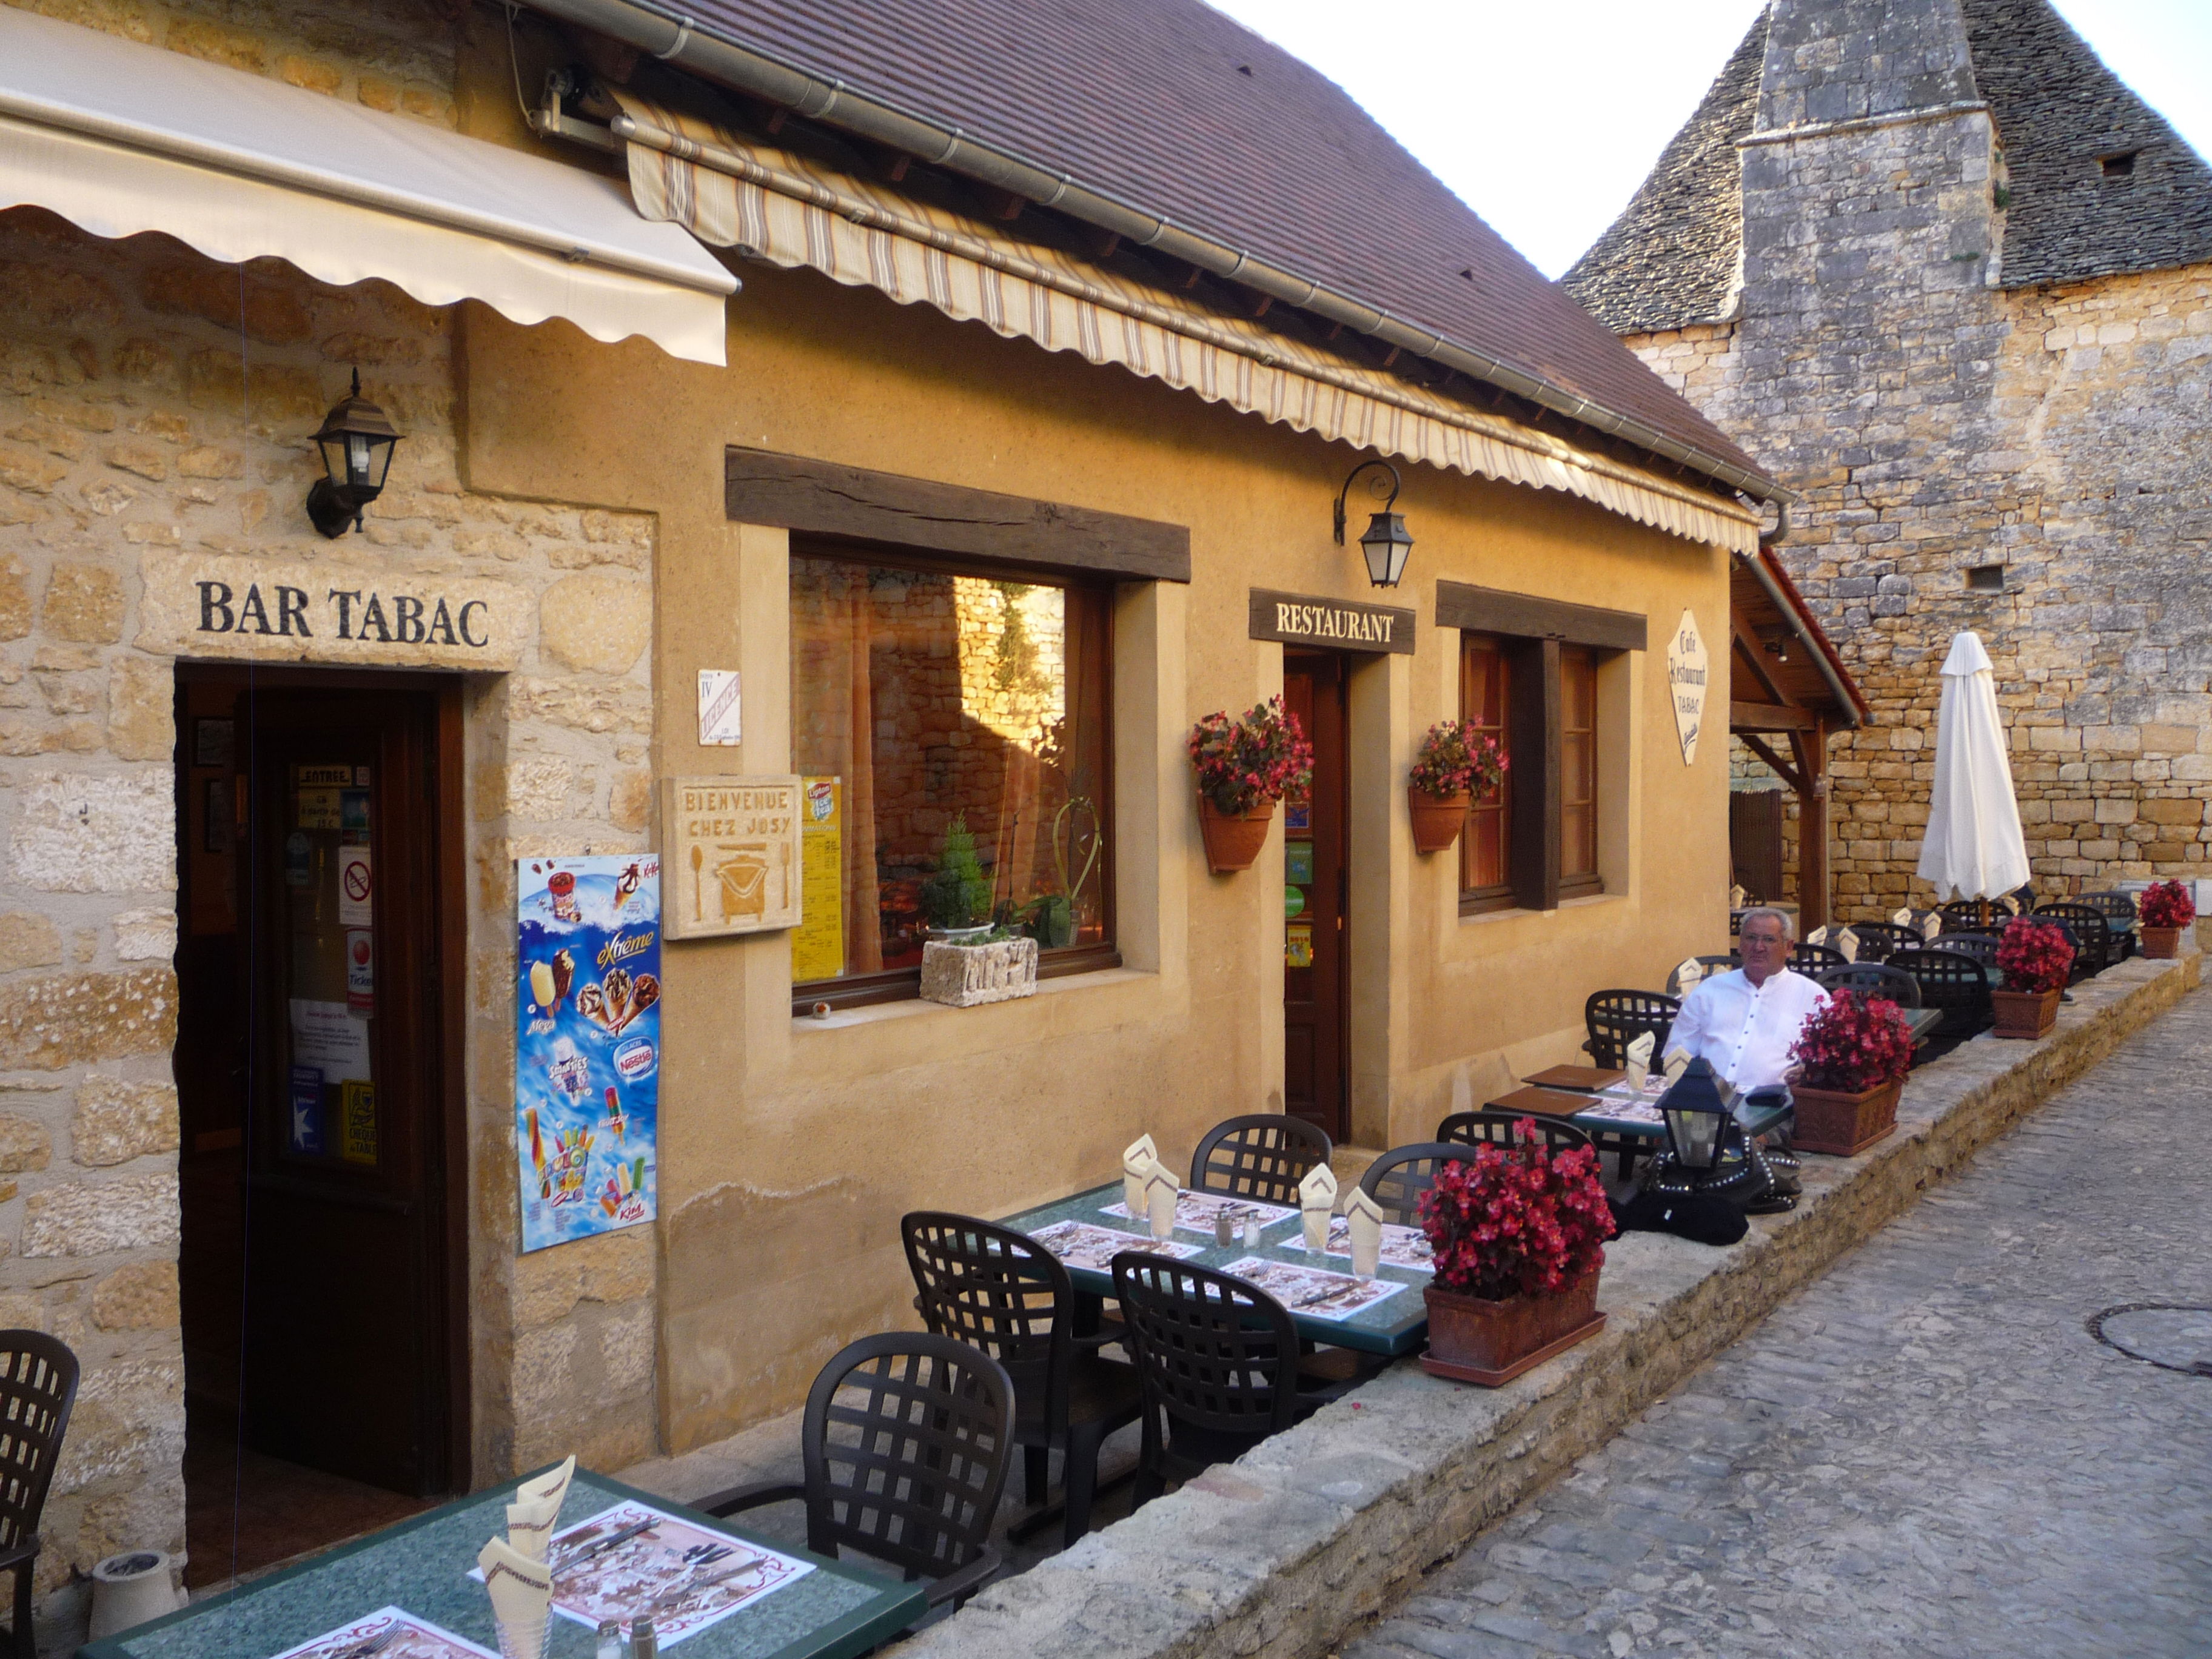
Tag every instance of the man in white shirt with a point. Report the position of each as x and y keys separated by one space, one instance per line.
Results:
x=1744 y=1022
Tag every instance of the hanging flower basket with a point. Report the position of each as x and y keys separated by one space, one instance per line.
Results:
x=1438 y=819
x=1233 y=841
x=1244 y=767
x=1456 y=764
x=1518 y=1236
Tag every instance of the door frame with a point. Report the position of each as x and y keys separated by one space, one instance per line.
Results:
x=1340 y=1130
x=449 y=927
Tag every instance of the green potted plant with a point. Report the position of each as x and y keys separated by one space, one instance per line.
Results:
x=1456 y=764
x=1855 y=1049
x=967 y=959
x=1518 y=1236
x=2036 y=959
x=957 y=898
x=2163 y=912
x=1244 y=767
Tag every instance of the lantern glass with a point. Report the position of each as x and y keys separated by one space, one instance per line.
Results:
x=1386 y=545
x=1696 y=1135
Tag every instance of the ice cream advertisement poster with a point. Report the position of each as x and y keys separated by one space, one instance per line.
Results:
x=588 y=1044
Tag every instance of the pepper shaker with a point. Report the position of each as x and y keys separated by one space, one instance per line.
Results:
x=643 y=1643
x=1224 y=1227
x=609 y=1642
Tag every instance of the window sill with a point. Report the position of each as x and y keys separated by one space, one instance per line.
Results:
x=877 y=1013
x=1580 y=902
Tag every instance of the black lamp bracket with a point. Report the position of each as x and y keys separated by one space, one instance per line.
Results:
x=1375 y=488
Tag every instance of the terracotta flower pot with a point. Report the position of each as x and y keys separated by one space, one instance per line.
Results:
x=1840 y=1123
x=1233 y=842
x=2162 y=944
x=2024 y=1013
x=1472 y=1340
x=1438 y=819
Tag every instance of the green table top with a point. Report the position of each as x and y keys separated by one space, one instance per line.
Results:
x=835 y=1611
x=1397 y=1324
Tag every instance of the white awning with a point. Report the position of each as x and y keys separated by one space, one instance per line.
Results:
x=121 y=138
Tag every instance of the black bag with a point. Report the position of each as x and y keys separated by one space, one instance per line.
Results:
x=1705 y=1221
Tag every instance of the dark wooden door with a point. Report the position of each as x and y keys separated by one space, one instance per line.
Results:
x=347 y=1338
x=1315 y=1011
x=1755 y=843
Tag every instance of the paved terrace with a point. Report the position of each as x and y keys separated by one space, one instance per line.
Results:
x=1295 y=1547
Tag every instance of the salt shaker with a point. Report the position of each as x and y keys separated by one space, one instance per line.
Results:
x=1251 y=1229
x=643 y=1643
x=1224 y=1227
x=610 y=1641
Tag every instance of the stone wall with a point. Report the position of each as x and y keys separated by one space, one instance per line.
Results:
x=155 y=405
x=1937 y=423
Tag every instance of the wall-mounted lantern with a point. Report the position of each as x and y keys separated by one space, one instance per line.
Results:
x=1385 y=541
x=356 y=441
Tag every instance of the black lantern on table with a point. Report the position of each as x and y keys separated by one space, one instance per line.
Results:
x=1385 y=541
x=357 y=442
x=1697 y=1118
x=1712 y=1150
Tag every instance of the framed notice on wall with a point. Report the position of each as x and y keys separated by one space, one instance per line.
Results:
x=588 y=1044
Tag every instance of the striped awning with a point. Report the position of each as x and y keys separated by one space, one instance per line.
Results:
x=733 y=192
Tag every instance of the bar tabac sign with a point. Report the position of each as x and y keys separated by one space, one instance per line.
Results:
x=1686 y=684
x=731 y=849
x=1338 y=625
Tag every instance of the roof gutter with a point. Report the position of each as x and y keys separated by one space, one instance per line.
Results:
x=678 y=39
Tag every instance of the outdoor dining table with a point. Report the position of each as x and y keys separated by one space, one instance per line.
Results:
x=1397 y=1324
x=422 y=1565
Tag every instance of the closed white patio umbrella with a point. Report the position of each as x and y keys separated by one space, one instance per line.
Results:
x=1973 y=844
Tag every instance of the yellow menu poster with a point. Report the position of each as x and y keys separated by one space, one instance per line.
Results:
x=818 y=944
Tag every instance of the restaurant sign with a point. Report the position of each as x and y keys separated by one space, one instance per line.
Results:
x=733 y=850
x=1686 y=683
x=1338 y=625
x=321 y=611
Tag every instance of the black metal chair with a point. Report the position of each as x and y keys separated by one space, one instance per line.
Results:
x=38 y=1391
x=1219 y=1360
x=1983 y=947
x=1003 y=1292
x=1878 y=938
x=909 y=1471
x=1971 y=913
x=1616 y=1018
x=1952 y=981
x=1261 y=1156
x=1496 y=1128
x=2092 y=936
x=2118 y=910
x=1396 y=1180
x=1812 y=960
x=1876 y=979
x=1712 y=966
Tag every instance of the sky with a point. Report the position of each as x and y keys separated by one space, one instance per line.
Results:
x=1544 y=117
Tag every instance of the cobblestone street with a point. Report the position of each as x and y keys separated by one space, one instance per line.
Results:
x=1927 y=1452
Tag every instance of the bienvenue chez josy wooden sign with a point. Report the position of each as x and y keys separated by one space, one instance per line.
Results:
x=730 y=855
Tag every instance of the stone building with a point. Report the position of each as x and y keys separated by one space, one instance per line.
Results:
x=1937 y=263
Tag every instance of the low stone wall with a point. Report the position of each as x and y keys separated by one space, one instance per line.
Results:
x=1280 y=1553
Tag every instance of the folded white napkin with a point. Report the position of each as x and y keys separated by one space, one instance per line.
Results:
x=1138 y=1157
x=1317 y=1202
x=1161 y=1191
x=1678 y=1062
x=1639 y=1060
x=537 y=1509
x=1931 y=924
x=1736 y=897
x=521 y=1598
x=1687 y=973
x=1363 y=1221
x=1902 y=919
x=1848 y=942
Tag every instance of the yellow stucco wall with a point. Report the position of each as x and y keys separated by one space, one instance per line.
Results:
x=791 y=1148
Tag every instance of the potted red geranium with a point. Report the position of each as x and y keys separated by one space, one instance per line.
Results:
x=1244 y=767
x=1855 y=1049
x=1518 y=1235
x=2163 y=911
x=1457 y=763
x=2036 y=959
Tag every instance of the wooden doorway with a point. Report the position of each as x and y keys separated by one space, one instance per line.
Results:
x=1755 y=843
x=1317 y=1006
x=318 y=1071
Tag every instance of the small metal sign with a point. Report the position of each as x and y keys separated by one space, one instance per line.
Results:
x=1686 y=683
x=721 y=711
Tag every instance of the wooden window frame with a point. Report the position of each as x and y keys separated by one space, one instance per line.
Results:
x=1533 y=634
x=1475 y=900
x=904 y=984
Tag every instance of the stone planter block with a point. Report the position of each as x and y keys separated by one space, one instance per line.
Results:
x=963 y=975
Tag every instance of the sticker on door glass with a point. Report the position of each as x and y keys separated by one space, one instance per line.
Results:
x=357 y=1124
x=1298 y=944
x=1298 y=862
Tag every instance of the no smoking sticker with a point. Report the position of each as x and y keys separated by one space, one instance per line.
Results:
x=355 y=887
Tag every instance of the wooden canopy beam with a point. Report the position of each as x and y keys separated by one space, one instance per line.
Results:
x=1749 y=646
x=1789 y=774
x=1768 y=717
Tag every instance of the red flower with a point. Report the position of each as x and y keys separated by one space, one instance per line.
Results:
x=1852 y=1042
x=2165 y=904
x=1261 y=757
x=1518 y=1221
x=2034 y=956
x=1455 y=759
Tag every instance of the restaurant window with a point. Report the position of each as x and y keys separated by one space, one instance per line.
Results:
x=962 y=715
x=1534 y=840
